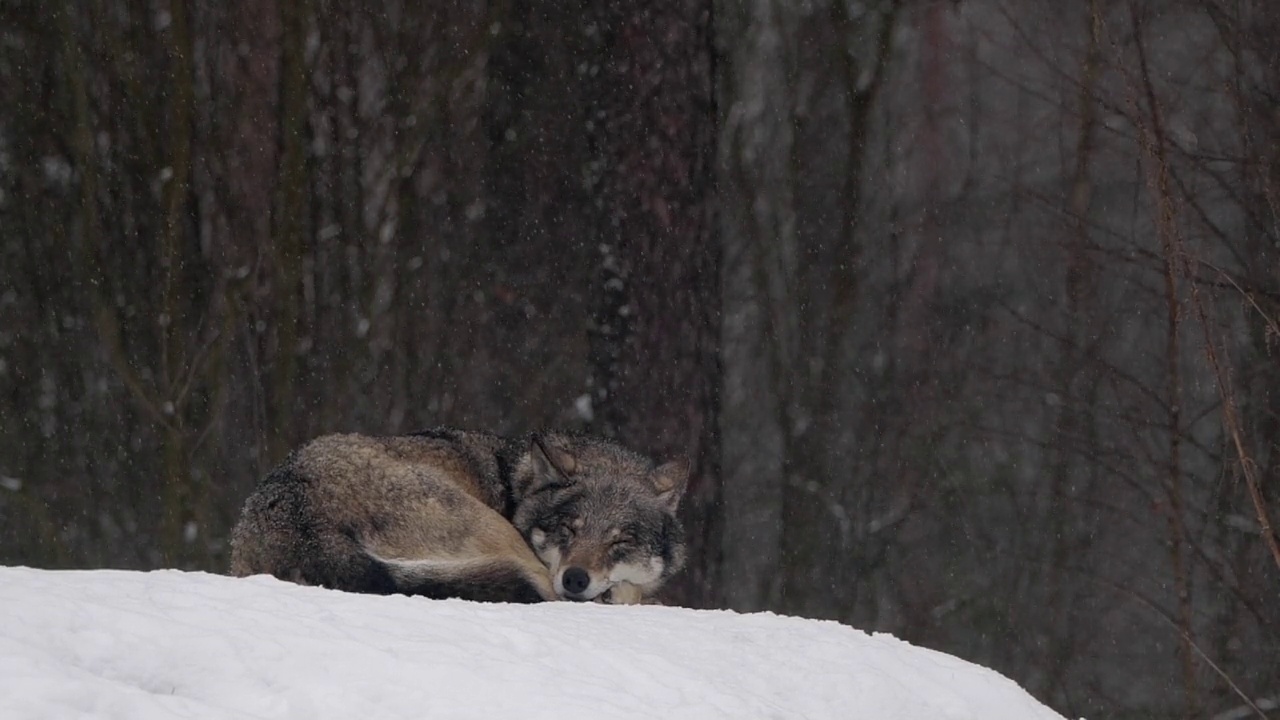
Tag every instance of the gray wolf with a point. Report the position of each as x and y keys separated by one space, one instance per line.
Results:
x=467 y=514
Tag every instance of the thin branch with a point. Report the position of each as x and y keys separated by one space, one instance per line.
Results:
x=1164 y=616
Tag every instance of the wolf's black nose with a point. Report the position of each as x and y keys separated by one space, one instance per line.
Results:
x=576 y=580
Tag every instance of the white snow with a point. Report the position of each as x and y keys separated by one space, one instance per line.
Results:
x=168 y=644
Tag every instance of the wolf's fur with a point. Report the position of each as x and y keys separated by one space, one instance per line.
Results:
x=454 y=513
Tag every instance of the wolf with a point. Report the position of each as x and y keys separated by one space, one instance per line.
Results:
x=467 y=514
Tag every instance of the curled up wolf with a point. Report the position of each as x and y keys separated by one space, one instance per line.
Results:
x=467 y=514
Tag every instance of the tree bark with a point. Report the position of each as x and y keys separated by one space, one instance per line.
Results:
x=654 y=341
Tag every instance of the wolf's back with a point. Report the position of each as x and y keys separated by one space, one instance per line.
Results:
x=384 y=515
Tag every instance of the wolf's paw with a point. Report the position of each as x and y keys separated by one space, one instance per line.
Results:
x=621 y=594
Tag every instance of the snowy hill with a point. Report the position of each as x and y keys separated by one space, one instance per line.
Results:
x=136 y=646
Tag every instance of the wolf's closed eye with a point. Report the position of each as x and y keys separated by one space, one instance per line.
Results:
x=622 y=546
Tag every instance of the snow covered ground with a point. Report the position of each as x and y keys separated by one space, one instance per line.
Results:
x=136 y=646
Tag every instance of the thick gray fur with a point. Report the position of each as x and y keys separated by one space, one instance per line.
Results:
x=467 y=514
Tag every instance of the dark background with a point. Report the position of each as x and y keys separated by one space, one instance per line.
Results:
x=967 y=312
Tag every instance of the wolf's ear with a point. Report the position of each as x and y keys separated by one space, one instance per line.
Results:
x=669 y=481
x=550 y=463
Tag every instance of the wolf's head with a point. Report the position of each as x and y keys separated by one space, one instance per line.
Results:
x=599 y=515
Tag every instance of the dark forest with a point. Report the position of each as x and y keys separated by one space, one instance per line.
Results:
x=966 y=313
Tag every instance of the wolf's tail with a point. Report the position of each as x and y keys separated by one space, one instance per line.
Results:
x=481 y=579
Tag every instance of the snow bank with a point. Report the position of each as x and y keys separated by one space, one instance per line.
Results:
x=135 y=646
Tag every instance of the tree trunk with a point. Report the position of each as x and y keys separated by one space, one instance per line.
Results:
x=654 y=340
